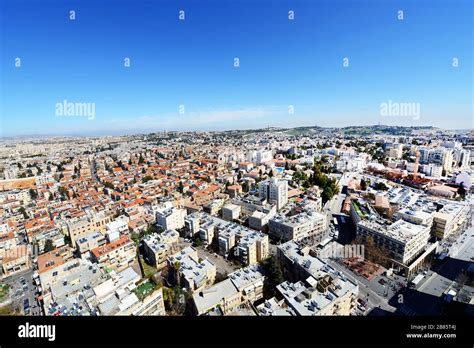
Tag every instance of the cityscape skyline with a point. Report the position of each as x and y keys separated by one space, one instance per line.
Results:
x=182 y=76
x=269 y=160
x=124 y=133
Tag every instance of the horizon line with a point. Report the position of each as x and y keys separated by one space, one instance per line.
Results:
x=137 y=133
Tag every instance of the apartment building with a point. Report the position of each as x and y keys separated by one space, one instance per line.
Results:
x=69 y=294
x=89 y=242
x=234 y=190
x=303 y=225
x=248 y=245
x=222 y=296
x=214 y=206
x=157 y=247
x=416 y=216
x=191 y=271
x=116 y=255
x=259 y=156
x=231 y=212
x=249 y=282
x=8 y=240
x=257 y=212
x=432 y=170
x=393 y=150
x=274 y=191
x=39 y=238
x=53 y=265
x=170 y=218
x=251 y=248
x=247 y=166
x=449 y=218
x=118 y=296
x=326 y=296
x=263 y=156
x=244 y=285
x=315 y=288
x=15 y=260
x=88 y=224
x=119 y=226
x=404 y=240
x=273 y=307
x=442 y=157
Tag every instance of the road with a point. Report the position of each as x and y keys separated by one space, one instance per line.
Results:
x=94 y=171
x=460 y=257
x=223 y=266
x=334 y=205
x=20 y=292
x=365 y=292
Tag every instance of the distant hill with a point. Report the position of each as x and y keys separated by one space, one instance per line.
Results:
x=381 y=129
x=350 y=130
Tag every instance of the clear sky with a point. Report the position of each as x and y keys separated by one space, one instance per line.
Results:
x=191 y=63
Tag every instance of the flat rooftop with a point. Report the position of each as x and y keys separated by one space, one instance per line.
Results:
x=401 y=230
x=247 y=276
x=209 y=298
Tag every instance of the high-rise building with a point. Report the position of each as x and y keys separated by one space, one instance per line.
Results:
x=274 y=191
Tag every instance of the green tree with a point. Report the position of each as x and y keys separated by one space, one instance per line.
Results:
x=327 y=194
x=109 y=185
x=220 y=277
x=147 y=178
x=381 y=186
x=67 y=240
x=23 y=211
x=274 y=276
x=63 y=192
x=462 y=190
x=48 y=245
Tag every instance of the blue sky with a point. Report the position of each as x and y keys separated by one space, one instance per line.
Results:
x=190 y=63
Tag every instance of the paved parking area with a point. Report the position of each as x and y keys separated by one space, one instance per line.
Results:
x=23 y=288
x=222 y=265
